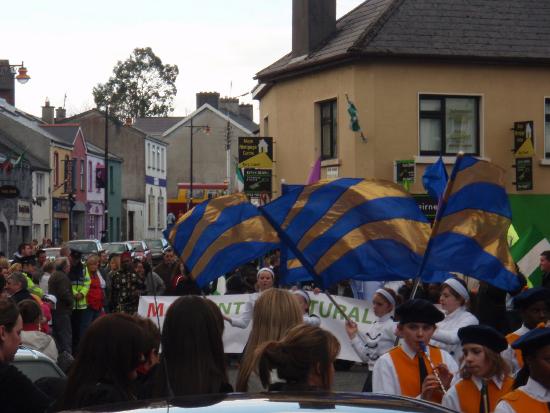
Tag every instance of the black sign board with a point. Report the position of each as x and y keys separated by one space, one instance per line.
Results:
x=255 y=152
x=257 y=181
x=404 y=171
x=524 y=174
x=524 y=131
x=9 y=191
x=427 y=205
x=61 y=205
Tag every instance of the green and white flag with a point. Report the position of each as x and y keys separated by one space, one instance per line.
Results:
x=526 y=253
x=239 y=179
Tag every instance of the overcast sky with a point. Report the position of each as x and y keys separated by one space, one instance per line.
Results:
x=70 y=46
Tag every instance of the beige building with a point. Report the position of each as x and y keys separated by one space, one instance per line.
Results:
x=427 y=78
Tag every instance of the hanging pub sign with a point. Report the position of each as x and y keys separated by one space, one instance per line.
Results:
x=9 y=191
x=255 y=152
x=257 y=181
x=524 y=174
x=524 y=138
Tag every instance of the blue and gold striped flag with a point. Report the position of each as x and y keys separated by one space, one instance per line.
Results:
x=350 y=228
x=219 y=235
x=470 y=232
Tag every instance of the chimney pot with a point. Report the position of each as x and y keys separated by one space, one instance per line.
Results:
x=48 y=112
x=60 y=113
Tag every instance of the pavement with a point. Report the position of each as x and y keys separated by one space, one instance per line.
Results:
x=351 y=380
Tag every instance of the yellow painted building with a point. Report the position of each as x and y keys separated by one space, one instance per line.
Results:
x=60 y=159
x=425 y=80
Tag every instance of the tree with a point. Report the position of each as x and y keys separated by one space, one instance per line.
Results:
x=140 y=86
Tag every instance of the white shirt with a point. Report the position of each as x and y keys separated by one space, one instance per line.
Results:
x=451 y=400
x=243 y=320
x=43 y=284
x=384 y=375
x=446 y=333
x=534 y=389
x=312 y=320
x=510 y=355
x=377 y=340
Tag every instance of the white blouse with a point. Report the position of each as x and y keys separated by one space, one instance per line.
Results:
x=446 y=333
x=377 y=340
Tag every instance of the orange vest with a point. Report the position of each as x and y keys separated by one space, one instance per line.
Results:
x=510 y=338
x=469 y=396
x=521 y=402
x=408 y=373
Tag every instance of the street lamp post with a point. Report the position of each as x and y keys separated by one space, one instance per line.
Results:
x=191 y=126
x=106 y=177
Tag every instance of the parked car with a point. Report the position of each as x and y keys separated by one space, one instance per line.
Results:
x=35 y=365
x=279 y=402
x=118 y=247
x=52 y=253
x=157 y=247
x=141 y=250
x=85 y=246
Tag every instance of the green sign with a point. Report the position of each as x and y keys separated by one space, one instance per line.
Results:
x=404 y=171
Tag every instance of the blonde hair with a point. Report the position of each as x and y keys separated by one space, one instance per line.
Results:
x=499 y=367
x=4 y=263
x=15 y=268
x=116 y=260
x=275 y=312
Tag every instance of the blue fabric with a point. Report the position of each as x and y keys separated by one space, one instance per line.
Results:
x=435 y=179
x=481 y=195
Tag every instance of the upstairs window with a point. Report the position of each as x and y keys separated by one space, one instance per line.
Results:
x=449 y=124
x=329 y=129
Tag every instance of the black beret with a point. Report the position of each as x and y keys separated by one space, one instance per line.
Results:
x=418 y=311
x=532 y=340
x=483 y=335
x=530 y=297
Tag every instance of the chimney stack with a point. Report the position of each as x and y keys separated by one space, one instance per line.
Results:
x=212 y=98
x=60 y=113
x=246 y=111
x=48 y=113
x=313 y=21
x=229 y=105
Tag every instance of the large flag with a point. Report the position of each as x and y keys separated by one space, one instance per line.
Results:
x=350 y=228
x=435 y=179
x=219 y=235
x=470 y=231
x=354 y=119
x=526 y=253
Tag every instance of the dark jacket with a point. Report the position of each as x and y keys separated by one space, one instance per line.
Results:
x=60 y=286
x=21 y=295
x=103 y=392
x=166 y=272
x=18 y=393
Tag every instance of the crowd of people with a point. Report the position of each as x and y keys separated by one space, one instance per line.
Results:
x=436 y=343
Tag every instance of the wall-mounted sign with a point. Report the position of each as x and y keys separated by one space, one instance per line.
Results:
x=404 y=171
x=524 y=174
x=23 y=209
x=9 y=191
x=524 y=138
x=255 y=152
x=257 y=181
x=61 y=205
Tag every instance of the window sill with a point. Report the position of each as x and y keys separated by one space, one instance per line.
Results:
x=330 y=162
x=447 y=160
x=544 y=162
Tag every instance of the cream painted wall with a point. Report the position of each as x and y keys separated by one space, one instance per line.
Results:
x=386 y=95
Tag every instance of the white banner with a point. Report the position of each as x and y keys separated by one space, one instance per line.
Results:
x=234 y=339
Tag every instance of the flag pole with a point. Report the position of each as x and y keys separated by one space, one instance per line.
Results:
x=435 y=227
x=305 y=262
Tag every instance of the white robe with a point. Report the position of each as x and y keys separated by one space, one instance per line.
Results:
x=446 y=333
x=376 y=341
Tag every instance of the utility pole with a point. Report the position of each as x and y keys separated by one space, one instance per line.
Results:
x=106 y=175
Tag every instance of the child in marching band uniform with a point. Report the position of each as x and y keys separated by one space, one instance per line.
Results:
x=533 y=305
x=304 y=301
x=534 y=397
x=379 y=337
x=406 y=370
x=484 y=374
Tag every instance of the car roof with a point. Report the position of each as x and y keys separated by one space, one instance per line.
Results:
x=278 y=402
x=27 y=353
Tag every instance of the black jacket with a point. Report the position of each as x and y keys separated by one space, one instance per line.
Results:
x=18 y=393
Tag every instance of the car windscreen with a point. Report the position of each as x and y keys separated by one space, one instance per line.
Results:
x=36 y=369
x=137 y=246
x=85 y=247
x=116 y=248
x=154 y=244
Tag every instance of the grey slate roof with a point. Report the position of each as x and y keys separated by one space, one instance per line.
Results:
x=97 y=151
x=241 y=120
x=156 y=126
x=66 y=133
x=15 y=147
x=505 y=30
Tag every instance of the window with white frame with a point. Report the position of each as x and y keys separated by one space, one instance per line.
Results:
x=160 y=216
x=158 y=158
x=153 y=157
x=151 y=217
x=162 y=159
x=449 y=124
x=40 y=185
x=90 y=176
x=547 y=128
x=148 y=156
